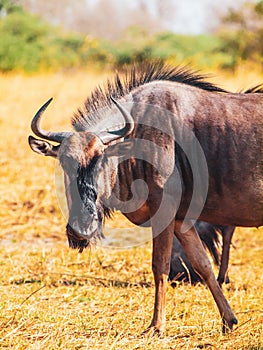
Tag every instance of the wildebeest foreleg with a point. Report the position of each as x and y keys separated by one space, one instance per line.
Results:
x=227 y=237
x=162 y=248
x=199 y=259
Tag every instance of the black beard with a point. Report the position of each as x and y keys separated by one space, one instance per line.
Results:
x=75 y=241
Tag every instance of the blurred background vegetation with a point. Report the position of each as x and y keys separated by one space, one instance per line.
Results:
x=45 y=36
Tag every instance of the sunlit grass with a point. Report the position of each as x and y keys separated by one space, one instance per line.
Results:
x=54 y=298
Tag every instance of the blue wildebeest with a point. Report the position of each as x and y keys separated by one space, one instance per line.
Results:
x=197 y=147
x=180 y=266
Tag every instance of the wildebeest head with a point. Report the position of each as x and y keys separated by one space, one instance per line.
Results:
x=79 y=154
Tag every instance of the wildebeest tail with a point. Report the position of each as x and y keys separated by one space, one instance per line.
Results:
x=210 y=237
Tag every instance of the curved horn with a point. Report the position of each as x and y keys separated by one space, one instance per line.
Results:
x=129 y=122
x=108 y=136
x=46 y=135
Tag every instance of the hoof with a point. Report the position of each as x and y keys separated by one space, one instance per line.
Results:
x=228 y=326
x=153 y=331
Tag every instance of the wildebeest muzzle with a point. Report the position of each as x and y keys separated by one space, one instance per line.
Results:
x=84 y=226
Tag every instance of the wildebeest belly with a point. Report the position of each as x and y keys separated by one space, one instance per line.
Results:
x=235 y=208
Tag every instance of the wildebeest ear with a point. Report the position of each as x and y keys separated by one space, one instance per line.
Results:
x=120 y=148
x=43 y=147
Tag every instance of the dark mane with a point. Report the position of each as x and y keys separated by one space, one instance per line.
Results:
x=131 y=78
x=258 y=89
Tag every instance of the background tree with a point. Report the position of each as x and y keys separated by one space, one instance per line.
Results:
x=104 y=18
x=242 y=34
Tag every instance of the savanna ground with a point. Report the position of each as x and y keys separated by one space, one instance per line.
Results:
x=54 y=298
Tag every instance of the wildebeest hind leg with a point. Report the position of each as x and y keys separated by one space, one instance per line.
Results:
x=199 y=259
x=227 y=237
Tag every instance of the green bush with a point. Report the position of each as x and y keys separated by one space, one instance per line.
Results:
x=201 y=50
x=29 y=44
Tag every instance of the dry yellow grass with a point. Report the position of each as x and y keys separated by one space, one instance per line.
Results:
x=54 y=298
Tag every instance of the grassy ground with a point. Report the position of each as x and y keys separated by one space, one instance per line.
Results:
x=52 y=297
